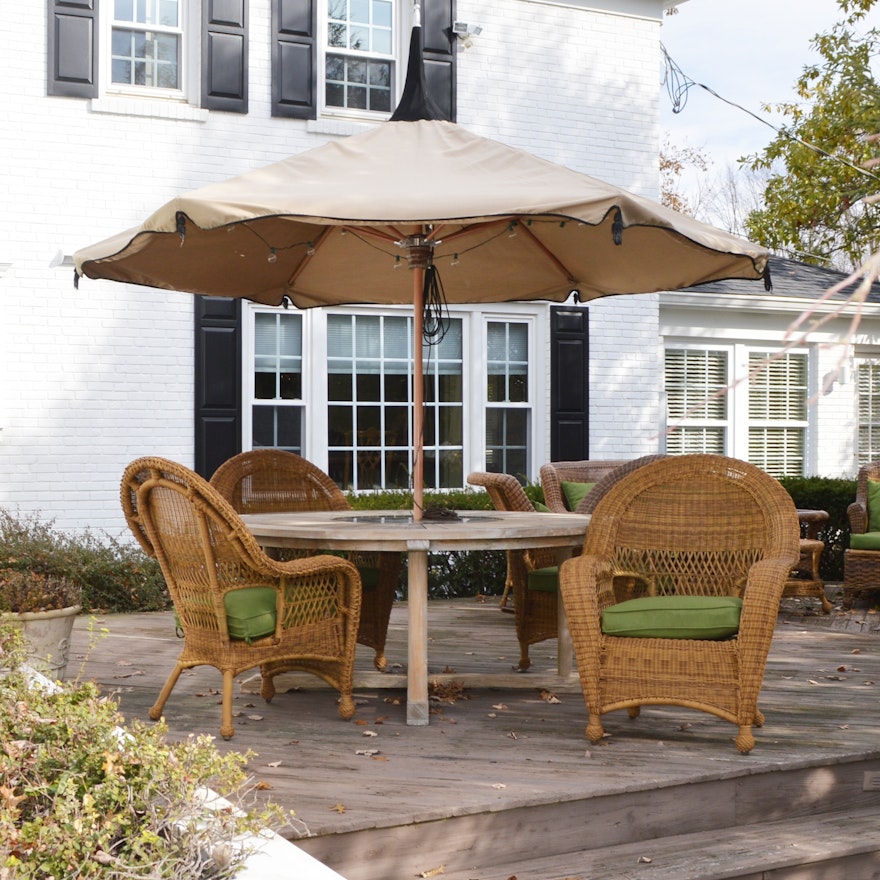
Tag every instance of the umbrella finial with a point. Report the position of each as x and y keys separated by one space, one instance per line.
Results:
x=415 y=102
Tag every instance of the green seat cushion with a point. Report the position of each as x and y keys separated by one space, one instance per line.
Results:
x=674 y=617
x=867 y=541
x=250 y=613
x=544 y=580
x=874 y=505
x=575 y=493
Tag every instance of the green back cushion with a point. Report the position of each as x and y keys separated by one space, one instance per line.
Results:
x=674 y=617
x=575 y=493
x=544 y=580
x=250 y=613
x=541 y=508
x=868 y=541
x=874 y=505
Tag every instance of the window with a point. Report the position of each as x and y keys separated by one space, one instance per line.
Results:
x=778 y=412
x=277 y=409
x=734 y=400
x=369 y=415
x=359 y=59
x=697 y=404
x=147 y=44
x=508 y=410
x=869 y=411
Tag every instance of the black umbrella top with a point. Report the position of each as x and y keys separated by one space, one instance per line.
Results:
x=415 y=102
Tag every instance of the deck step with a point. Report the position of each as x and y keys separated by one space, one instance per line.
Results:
x=841 y=845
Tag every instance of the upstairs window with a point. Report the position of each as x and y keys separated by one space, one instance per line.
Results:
x=147 y=44
x=359 y=59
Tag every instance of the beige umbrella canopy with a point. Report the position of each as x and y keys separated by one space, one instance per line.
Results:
x=332 y=225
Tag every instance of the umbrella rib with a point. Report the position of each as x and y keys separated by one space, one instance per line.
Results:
x=520 y=227
x=309 y=256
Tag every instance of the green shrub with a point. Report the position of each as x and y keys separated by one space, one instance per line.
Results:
x=83 y=796
x=833 y=495
x=113 y=576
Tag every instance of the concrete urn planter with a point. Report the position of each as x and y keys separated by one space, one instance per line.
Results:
x=47 y=634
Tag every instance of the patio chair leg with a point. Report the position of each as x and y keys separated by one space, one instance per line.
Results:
x=634 y=711
x=156 y=712
x=594 y=730
x=745 y=741
x=524 y=660
x=227 y=731
x=346 y=706
x=380 y=661
x=267 y=688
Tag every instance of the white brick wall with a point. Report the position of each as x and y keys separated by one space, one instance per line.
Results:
x=90 y=379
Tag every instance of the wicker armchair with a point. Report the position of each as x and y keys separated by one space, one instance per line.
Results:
x=861 y=564
x=603 y=474
x=274 y=481
x=692 y=526
x=535 y=611
x=208 y=556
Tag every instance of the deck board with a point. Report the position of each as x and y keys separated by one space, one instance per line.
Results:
x=495 y=749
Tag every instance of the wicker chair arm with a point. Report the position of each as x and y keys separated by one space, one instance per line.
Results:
x=552 y=487
x=857 y=512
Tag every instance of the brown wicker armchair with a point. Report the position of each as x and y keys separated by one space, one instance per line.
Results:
x=274 y=481
x=684 y=526
x=535 y=610
x=603 y=474
x=861 y=562
x=208 y=558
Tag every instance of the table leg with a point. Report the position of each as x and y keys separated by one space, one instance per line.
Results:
x=417 y=669
x=563 y=634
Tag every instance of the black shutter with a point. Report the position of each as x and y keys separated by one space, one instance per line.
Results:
x=217 y=382
x=569 y=384
x=225 y=55
x=439 y=53
x=294 y=59
x=73 y=48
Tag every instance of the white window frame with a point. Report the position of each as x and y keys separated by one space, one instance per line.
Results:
x=190 y=46
x=401 y=26
x=248 y=355
x=738 y=421
x=866 y=456
x=527 y=405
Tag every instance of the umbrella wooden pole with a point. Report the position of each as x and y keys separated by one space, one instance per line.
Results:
x=418 y=392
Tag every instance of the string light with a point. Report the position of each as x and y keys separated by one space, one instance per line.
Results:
x=454 y=260
x=273 y=257
x=310 y=250
x=397 y=262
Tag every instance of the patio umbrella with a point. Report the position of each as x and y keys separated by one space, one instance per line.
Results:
x=476 y=220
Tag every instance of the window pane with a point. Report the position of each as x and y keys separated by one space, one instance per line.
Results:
x=869 y=412
x=376 y=353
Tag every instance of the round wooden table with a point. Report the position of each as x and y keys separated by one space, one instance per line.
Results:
x=395 y=530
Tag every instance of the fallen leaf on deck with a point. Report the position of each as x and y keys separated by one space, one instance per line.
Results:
x=844 y=727
x=369 y=733
x=446 y=692
x=367 y=753
x=841 y=669
x=549 y=697
x=263 y=786
x=499 y=706
x=856 y=651
x=812 y=681
x=394 y=701
x=255 y=717
x=362 y=722
x=512 y=734
x=274 y=764
x=498 y=785
x=645 y=860
x=337 y=808
x=432 y=872
x=492 y=715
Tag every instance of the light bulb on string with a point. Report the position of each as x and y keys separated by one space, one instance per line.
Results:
x=273 y=257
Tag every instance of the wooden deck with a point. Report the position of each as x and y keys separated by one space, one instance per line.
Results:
x=497 y=771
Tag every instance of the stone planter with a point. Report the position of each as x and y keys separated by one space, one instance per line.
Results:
x=47 y=634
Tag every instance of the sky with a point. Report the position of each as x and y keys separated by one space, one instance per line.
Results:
x=748 y=51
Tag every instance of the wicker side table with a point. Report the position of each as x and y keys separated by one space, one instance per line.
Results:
x=805 y=580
